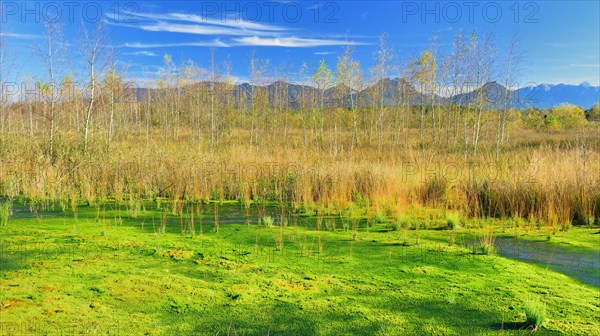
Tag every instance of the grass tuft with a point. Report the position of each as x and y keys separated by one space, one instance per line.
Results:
x=485 y=244
x=454 y=221
x=535 y=313
x=267 y=221
x=403 y=223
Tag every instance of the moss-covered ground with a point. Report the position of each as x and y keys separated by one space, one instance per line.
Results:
x=105 y=273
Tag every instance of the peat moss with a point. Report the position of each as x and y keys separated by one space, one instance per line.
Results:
x=140 y=282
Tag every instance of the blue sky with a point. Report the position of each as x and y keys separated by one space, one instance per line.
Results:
x=559 y=39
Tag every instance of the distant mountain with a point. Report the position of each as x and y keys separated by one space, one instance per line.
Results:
x=540 y=96
x=491 y=94
x=547 y=95
x=394 y=91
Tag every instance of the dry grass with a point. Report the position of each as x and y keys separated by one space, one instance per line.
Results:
x=551 y=177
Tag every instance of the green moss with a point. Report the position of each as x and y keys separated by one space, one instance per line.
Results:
x=236 y=281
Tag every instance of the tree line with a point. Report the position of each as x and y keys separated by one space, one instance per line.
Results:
x=206 y=107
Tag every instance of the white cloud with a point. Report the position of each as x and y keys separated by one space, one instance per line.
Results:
x=324 y=53
x=215 y=43
x=292 y=42
x=230 y=21
x=142 y=53
x=590 y=65
x=20 y=36
x=235 y=32
x=186 y=29
x=200 y=25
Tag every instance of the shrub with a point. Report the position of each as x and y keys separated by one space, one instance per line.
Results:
x=551 y=122
x=535 y=313
x=593 y=114
x=532 y=119
x=568 y=116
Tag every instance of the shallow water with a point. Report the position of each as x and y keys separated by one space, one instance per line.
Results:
x=584 y=266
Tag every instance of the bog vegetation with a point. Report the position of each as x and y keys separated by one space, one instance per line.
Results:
x=333 y=193
x=352 y=140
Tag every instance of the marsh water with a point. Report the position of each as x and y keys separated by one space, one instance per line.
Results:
x=584 y=266
x=581 y=265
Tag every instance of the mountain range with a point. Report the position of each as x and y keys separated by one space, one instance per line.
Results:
x=390 y=92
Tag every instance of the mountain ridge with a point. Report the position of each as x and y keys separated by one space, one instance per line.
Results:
x=390 y=92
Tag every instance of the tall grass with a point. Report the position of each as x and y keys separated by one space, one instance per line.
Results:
x=553 y=183
x=5 y=212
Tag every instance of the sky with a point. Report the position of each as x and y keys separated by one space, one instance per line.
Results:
x=559 y=41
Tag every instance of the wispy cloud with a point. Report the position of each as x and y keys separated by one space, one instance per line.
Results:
x=322 y=53
x=211 y=44
x=449 y=28
x=229 y=32
x=193 y=29
x=205 y=30
x=292 y=42
x=142 y=53
x=584 y=65
x=554 y=44
x=20 y=36
x=227 y=21
x=195 y=24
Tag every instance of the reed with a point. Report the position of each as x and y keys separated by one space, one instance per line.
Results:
x=540 y=176
x=5 y=212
